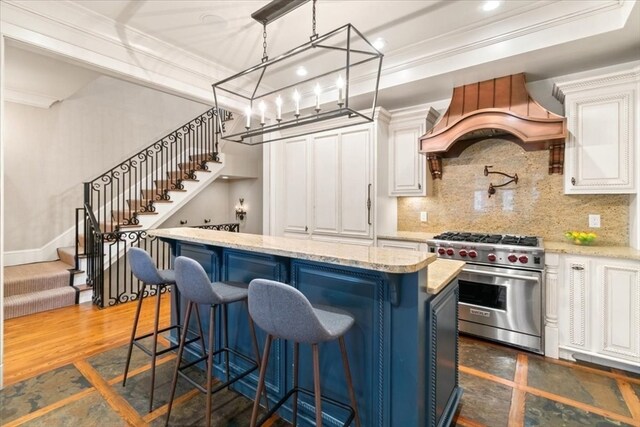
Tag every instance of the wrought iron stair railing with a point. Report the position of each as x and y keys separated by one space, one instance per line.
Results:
x=115 y=200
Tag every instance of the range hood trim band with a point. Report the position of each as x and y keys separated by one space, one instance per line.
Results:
x=539 y=129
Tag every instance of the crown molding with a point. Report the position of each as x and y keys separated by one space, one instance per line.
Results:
x=31 y=99
x=561 y=89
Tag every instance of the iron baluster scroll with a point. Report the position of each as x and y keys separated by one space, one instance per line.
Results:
x=114 y=201
x=492 y=188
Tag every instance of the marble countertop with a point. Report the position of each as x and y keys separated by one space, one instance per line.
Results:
x=370 y=258
x=441 y=272
x=624 y=252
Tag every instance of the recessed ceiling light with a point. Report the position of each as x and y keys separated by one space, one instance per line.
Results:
x=379 y=43
x=224 y=177
x=301 y=71
x=490 y=5
x=214 y=20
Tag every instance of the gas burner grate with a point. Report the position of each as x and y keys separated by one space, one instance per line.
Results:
x=488 y=238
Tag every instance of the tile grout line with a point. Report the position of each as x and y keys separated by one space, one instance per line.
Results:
x=630 y=398
x=518 y=396
x=547 y=395
x=49 y=408
x=113 y=399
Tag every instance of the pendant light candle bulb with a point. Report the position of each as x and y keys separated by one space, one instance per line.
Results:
x=296 y=98
x=279 y=108
x=262 y=108
x=340 y=86
x=317 y=91
x=247 y=112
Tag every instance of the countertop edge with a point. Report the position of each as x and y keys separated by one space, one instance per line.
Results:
x=441 y=272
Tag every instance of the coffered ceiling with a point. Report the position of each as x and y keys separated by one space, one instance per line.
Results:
x=431 y=46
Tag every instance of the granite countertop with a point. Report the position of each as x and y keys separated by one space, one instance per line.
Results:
x=441 y=272
x=370 y=258
x=624 y=252
x=409 y=236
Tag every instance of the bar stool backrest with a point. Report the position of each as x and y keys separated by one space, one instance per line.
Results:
x=144 y=268
x=193 y=282
x=284 y=312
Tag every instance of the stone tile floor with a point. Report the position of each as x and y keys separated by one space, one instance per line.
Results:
x=502 y=387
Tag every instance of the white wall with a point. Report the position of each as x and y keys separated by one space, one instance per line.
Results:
x=2 y=126
x=51 y=152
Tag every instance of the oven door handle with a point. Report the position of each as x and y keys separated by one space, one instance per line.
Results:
x=508 y=276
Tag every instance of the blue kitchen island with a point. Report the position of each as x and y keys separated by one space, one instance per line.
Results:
x=403 y=348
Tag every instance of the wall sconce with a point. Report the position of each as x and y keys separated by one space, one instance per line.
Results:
x=240 y=210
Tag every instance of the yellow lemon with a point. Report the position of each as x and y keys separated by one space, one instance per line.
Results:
x=577 y=242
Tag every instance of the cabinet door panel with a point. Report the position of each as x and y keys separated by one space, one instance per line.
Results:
x=325 y=184
x=407 y=165
x=578 y=297
x=620 y=295
x=295 y=186
x=355 y=161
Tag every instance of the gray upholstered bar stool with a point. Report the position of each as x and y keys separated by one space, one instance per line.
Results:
x=144 y=269
x=196 y=288
x=284 y=312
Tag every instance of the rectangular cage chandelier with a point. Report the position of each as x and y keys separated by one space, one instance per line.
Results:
x=327 y=83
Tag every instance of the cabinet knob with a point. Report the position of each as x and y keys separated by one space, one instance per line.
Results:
x=419 y=186
x=573 y=181
x=306 y=228
x=577 y=267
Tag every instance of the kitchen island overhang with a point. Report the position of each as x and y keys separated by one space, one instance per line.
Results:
x=402 y=348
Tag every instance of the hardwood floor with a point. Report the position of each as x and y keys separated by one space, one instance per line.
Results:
x=43 y=341
x=64 y=367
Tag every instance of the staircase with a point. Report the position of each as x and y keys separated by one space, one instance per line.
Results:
x=120 y=205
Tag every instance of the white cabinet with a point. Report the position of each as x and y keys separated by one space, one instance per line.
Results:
x=323 y=186
x=599 y=310
x=600 y=153
x=407 y=167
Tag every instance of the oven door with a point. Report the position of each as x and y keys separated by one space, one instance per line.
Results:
x=503 y=298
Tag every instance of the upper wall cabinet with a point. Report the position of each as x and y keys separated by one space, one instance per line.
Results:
x=407 y=174
x=600 y=155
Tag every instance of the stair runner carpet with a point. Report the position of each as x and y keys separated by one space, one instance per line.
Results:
x=31 y=288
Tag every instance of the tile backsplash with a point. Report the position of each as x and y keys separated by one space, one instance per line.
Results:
x=536 y=205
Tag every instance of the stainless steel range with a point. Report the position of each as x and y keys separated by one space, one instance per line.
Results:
x=501 y=287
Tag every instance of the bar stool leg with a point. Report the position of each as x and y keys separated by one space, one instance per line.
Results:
x=263 y=373
x=212 y=316
x=225 y=342
x=296 y=358
x=133 y=333
x=154 y=350
x=256 y=350
x=183 y=339
x=316 y=384
x=347 y=375
x=204 y=347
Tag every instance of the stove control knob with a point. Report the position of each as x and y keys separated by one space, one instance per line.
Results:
x=462 y=252
x=441 y=251
x=512 y=258
x=523 y=259
x=491 y=257
x=474 y=254
x=450 y=252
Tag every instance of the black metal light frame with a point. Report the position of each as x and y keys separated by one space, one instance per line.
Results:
x=340 y=115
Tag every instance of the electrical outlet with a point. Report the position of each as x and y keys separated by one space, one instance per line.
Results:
x=423 y=216
x=594 y=221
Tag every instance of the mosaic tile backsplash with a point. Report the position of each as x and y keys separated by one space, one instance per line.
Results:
x=536 y=206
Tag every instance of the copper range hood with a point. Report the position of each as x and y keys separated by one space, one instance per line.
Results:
x=500 y=108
